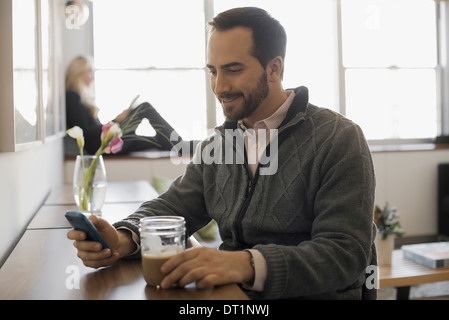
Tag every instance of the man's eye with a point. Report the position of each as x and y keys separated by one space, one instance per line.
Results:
x=234 y=70
x=212 y=72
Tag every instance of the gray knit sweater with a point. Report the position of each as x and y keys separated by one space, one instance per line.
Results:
x=311 y=219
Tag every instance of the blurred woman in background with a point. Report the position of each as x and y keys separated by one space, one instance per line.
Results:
x=82 y=111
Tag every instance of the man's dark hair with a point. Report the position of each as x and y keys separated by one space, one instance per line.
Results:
x=270 y=39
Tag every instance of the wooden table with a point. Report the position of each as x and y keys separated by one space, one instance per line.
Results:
x=404 y=273
x=44 y=264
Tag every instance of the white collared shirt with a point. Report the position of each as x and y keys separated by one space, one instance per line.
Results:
x=255 y=145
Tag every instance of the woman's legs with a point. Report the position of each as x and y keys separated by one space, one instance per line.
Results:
x=163 y=129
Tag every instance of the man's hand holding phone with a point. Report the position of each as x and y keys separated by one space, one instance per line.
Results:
x=93 y=253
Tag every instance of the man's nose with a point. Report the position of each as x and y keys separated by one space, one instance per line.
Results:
x=221 y=85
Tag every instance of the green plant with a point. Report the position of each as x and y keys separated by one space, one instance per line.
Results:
x=387 y=221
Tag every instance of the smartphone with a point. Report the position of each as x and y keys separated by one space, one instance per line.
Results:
x=80 y=222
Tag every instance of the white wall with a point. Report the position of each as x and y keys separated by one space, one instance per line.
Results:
x=77 y=42
x=26 y=179
x=408 y=180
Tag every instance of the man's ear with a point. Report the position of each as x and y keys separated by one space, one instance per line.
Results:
x=274 y=69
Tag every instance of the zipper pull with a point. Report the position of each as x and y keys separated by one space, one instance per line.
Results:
x=250 y=185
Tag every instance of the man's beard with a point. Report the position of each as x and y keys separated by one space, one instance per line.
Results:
x=250 y=104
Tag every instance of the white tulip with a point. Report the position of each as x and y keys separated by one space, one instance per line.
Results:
x=77 y=133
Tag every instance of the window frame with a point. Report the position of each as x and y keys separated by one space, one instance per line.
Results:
x=209 y=99
x=442 y=7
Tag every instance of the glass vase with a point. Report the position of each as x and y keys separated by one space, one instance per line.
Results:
x=89 y=184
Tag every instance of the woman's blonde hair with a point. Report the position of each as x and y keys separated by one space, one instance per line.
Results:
x=73 y=81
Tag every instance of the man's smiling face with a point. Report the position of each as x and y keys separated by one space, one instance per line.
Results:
x=238 y=80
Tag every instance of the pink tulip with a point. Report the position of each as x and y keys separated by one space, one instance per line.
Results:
x=110 y=138
x=105 y=129
x=115 y=145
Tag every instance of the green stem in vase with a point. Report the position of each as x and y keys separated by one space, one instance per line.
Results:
x=88 y=180
x=88 y=177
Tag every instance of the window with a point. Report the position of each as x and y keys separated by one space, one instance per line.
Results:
x=155 y=49
x=311 y=58
x=52 y=87
x=27 y=124
x=389 y=61
x=375 y=61
x=32 y=109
